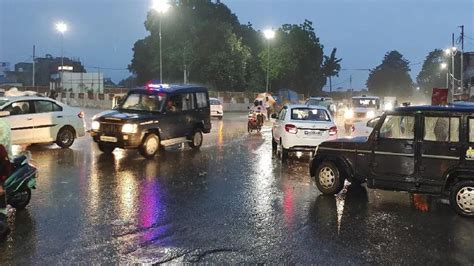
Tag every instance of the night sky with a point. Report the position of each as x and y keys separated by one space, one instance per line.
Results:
x=102 y=32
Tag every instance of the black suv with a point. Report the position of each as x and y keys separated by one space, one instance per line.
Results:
x=420 y=149
x=153 y=117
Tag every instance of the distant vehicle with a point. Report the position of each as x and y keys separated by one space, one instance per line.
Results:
x=36 y=119
x=326 y=102
x=216 y=108
x=419 y=149
x=301 y=128
x=362 y=108
x=389 y=103
x=153 y=117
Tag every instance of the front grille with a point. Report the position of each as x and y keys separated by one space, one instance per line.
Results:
x=110 y=129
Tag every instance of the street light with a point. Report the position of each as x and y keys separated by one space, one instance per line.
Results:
x=269 y=34
x=445 y=66
x=160 y=6
x=61 y=27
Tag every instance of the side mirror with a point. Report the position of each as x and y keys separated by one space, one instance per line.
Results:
x=4 y=113
x=373 y=122
x=274 y=116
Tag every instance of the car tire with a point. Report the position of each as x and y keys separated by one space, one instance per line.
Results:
x=462 y=198
x=274 y=144
x=329 y=179
x=65 y=137
x=105 y=148
x=196 y=139
x=284 y=152
x=150 y=146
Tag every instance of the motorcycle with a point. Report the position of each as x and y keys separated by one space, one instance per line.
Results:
x=19 y=183
x=255 y=120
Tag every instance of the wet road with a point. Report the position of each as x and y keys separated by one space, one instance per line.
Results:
x=232 y=201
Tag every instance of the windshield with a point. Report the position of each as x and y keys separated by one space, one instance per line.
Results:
x=366 y=103
x=3 y=101
x=309 y=114
x=215 y=102
x=319 y=102
x=143 y=102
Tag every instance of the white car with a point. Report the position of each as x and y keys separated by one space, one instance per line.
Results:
x=36 y=119
x=216 y=108
x=302 y=128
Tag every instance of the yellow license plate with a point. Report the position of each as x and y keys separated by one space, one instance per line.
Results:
x=108 y=139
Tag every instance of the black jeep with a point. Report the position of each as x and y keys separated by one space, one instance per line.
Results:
x=153 y=117
x=420 y=149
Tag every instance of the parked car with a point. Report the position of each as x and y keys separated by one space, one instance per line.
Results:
x=326 y=102
x=36 y=119
x=419 y=149
x=153 y=117
x=301 y=128
x=216 y=108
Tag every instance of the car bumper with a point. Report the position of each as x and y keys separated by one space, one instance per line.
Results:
x=217 y=113
x=124 y=141
x=295 y=143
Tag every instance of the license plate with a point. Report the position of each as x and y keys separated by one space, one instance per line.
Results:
x=313 y=133
x=108 y=139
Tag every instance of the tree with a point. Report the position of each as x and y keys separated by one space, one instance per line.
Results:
x=391 y=78
x=129 y=82
x=431 y=74
x=331 y=66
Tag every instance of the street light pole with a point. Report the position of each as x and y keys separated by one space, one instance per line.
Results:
x=269 y=34
x=160 y=6
x=61 y=27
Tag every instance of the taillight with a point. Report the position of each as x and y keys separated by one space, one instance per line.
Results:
x=80 y=115
x=333 y=131
x=291 y=128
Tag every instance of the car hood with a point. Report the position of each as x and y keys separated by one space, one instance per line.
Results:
x=345 y=143
x=118 y=116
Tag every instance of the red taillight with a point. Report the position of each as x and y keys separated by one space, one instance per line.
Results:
x=333 y=131
x=80 y=115
x=291 y=128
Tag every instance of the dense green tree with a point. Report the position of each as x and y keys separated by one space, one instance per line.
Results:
x=431 y=74
x=391 y=78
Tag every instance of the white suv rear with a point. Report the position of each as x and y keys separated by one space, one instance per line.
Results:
x=216 y=108
x=302 y=128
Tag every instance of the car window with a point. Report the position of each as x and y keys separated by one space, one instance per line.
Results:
x=18 y=108
x=187 y=101
x=46 y=107
x=441 y=129
x=309 y=114
x=143 y=102
x=398 y=127
x=175 y=103
x=215 y=102
x=201 y=99
x=471 y=129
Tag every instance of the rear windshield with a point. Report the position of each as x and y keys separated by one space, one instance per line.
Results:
x=309 y=114
x=143 y=102
x=215 y=102
x=319 y=102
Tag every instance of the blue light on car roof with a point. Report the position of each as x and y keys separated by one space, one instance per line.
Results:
x=158 y=86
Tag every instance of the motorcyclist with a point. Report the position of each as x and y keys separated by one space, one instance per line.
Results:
x=5 y=168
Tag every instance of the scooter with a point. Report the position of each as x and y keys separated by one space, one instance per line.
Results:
x=255 y=121
x=20 y=182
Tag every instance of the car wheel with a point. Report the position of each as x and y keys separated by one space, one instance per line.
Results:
x=328 y=178
x=150 y=146
x=65 y=137
x=274 y=144
x=284 y=152
x=105 y=148
x=196 y=139
x=462 y=198
x=19 y=200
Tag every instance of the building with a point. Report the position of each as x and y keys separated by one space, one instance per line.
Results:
x=469 y=73
x=78 y=82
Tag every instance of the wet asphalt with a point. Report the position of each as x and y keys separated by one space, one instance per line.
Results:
x=232 y=201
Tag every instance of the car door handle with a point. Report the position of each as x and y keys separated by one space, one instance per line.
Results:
x=59 y=116
x=408 y=146
x=453 y=148
x=29 y=118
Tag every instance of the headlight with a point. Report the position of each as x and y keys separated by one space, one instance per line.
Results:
x=95 y=125
x=370 y=114
x=129 y=128
x=349 y=114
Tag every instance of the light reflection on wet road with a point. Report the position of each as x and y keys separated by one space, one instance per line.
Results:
x=232 y=201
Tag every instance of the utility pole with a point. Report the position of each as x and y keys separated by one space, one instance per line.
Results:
x=452 y=68
x=33 y=75
x=462 y=57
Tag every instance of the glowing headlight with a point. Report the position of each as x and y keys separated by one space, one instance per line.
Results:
x=95 y=125
x=388 y=107
x=349 y=114
x=129 y=128
x=370 y=114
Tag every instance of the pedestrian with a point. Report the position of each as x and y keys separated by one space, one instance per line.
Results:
x=5 y=168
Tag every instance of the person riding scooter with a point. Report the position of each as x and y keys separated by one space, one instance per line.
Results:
x=5 y=169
